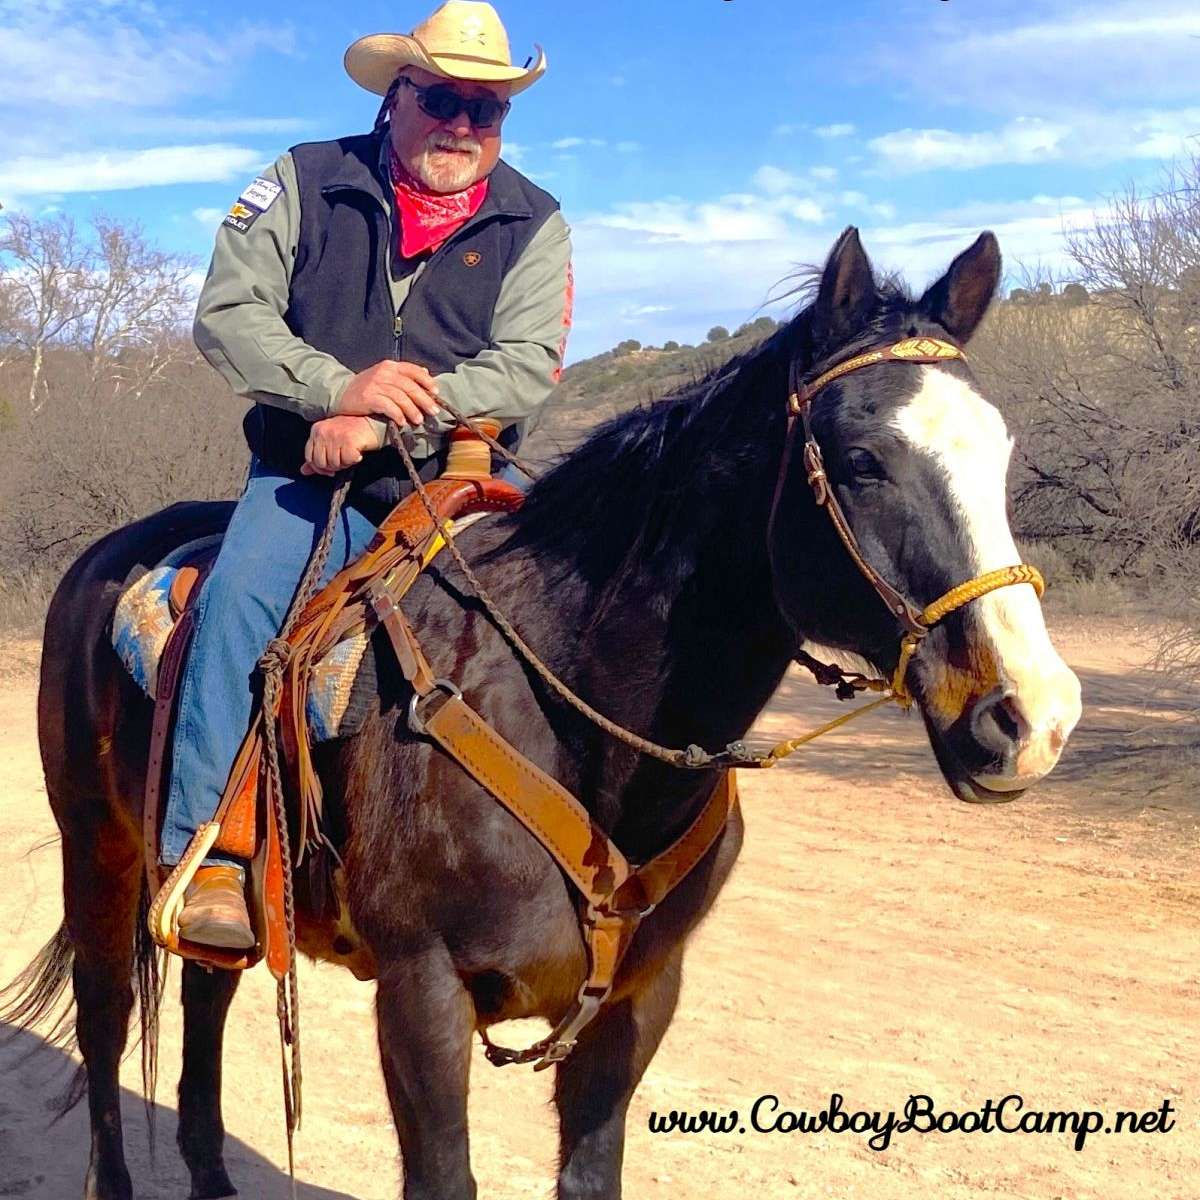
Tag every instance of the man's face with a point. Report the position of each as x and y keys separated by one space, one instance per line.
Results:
x=445 y=156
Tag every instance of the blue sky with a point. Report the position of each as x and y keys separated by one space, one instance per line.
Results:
x=701 y=149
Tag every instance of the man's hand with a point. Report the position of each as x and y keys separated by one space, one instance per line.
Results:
x=402 y=391
x=336 y=443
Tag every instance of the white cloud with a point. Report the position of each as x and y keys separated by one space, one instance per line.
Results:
x=730 y=219
x=806 y=210
x=838 y=130
x=570 y=143
x=775 y=180
x=209 y=127
x=1026 y=140
x=672 y=269
x=1079 y=55
x=209 y=217
x=1112 y=137
x=119 y=170
x=1029 y=231
x=682 y=286
x=884 y=209
x=117 y=56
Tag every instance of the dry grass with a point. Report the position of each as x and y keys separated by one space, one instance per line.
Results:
x=23 y=602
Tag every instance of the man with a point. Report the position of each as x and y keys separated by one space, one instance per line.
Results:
x=355 y=282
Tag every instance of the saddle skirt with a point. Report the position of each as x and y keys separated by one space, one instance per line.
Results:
x=341 y=681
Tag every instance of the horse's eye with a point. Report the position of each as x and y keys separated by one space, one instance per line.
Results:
x=864 y=464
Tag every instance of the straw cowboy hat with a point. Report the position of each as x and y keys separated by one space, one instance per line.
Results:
x=464 y=39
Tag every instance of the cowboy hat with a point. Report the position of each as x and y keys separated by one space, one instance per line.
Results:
x=464 y=39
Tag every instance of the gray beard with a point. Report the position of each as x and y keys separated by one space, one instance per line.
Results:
x=447 y=175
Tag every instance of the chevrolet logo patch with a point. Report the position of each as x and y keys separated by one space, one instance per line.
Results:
x=241 y=216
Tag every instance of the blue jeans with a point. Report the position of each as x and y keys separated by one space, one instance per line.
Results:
x=240 y=608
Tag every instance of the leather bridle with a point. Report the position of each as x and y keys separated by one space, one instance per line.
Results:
x=916 y=622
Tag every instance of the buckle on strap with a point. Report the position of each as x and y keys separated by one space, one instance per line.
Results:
x=559 y=1042
x=419 y=702
x=562 y=1041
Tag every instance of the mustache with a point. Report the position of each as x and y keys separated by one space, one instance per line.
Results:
x=445 y=141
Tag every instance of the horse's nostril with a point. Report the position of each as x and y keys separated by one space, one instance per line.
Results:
x=998 y=724
x=1008 y=719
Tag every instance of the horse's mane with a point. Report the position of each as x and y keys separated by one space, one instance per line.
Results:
x=609 y=505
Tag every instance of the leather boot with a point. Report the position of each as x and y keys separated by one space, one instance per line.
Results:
x=214 y=909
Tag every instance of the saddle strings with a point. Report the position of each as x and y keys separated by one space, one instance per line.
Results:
x=272 y=664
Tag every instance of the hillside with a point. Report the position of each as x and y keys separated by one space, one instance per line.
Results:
x=617 y=380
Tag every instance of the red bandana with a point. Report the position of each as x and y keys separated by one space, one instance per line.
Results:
x=428 y=218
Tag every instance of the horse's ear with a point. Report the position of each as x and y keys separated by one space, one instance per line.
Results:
x=959 y=299
x=847 y=293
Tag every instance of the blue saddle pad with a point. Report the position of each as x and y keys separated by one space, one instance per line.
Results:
x=339 y=685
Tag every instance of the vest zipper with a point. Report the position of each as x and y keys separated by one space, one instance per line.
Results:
x=397 y=330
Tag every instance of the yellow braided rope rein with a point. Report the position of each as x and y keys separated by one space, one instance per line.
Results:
x=781 y=751
x=898 y=691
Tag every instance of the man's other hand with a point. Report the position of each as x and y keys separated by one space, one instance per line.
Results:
x=336 y=443
x=402 y=391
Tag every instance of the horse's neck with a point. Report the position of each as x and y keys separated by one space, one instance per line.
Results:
x=692 y=644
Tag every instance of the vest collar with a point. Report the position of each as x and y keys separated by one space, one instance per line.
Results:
x=364 y=169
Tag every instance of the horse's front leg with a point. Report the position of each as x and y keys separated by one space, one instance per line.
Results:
x=426 y=1019
x=597 y=1079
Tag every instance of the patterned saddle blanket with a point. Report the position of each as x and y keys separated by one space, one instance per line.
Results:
x=341 y=684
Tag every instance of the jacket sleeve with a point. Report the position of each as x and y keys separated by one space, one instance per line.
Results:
x=240 y=327
x=513 y=377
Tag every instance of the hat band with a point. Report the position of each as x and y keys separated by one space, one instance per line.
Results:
x=473 y=58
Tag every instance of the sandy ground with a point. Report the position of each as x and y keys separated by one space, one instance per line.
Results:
x=877 y=939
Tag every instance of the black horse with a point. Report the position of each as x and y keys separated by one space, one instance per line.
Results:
x=640 y=569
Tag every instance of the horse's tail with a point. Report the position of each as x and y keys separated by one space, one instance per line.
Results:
x=39 y=994
x=149 y=980
x=38 y=991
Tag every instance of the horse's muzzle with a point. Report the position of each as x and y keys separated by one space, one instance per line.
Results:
x=1001 y=745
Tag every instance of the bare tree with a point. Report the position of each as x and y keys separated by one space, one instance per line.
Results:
x=1105 y=394
x=136 y=300
x=123 y=414
x=1143 y=262
x=44 y=263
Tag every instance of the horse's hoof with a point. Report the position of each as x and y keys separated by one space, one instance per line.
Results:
x=214 y=1186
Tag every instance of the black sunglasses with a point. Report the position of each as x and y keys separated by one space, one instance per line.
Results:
x=444 y=104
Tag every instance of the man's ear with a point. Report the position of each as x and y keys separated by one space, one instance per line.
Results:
x=958 y=301
x=847 y=294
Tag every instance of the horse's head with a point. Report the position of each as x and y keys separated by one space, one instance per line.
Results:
x=917 y=459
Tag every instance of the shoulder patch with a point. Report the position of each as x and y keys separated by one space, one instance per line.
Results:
x=261 y=194
x=252 y=203
x=241 y=217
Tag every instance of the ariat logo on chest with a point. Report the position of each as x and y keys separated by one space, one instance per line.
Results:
x=472 y=258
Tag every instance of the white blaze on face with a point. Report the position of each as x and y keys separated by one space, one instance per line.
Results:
x=967 y=439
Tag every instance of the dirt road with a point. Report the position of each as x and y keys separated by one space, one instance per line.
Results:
x=877 y=939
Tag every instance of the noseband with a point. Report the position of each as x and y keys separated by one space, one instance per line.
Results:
x=917 y=622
